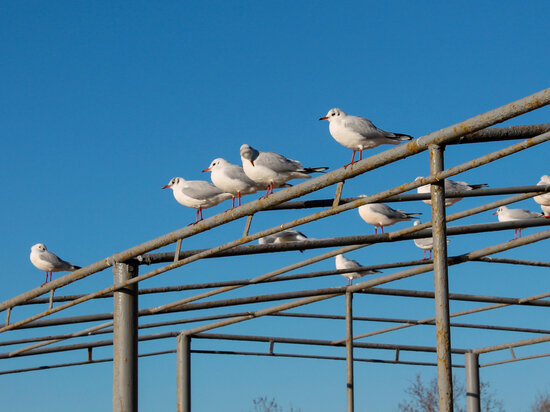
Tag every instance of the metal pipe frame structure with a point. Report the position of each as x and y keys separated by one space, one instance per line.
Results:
x=124 y=290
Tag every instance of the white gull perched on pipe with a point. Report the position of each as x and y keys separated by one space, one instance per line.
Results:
x=272 y=169
x=543 y=199
x=343 y=262
x=284 y=236
x=425 y=243
x=505 y=214
x=357 y=133
x=380 y=215
x=231 y=179
x=450 y=186
x=45 y=260
x=196 y=194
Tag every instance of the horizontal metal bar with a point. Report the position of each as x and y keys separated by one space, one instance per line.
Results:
x=302 y=356
x=494 y=134
x=319 y=342
x=515 y=344
x=309 y=204
x=87 y=362
x=362 y=239
x=490 y=259
x=517 y=359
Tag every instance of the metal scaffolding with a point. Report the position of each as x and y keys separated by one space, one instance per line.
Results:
x=123 y=323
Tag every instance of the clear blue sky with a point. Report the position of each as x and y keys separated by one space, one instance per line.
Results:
x=104 y=102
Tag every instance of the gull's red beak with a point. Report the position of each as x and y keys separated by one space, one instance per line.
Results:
x=207 y=169
x=323 y=118
x=165 y=187
x=496 y=213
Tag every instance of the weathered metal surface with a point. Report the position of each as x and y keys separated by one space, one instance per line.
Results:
x=183 y=373
x=125 y=340
x=441 y=284
x=349 y=351
x=473 y=392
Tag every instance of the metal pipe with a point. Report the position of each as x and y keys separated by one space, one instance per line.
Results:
x=473 y=393
x=442 y=136
x=184 y=372
x=441 y=284
x=125 y=340
x=411 y=197
x=349 y=350
x=495 y=134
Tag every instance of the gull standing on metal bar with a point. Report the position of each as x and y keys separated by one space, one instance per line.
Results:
x=196 y=194
x=543 y=199
x=450 y=186
x=272 y=169
x=45 y=260
x=357 y=133
x=505 y=214
x=343 y=262
x=380 y=215
x=425 y=243
x=231 y=179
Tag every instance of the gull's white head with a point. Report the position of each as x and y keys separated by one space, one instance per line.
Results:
x=333 y=114
x=175 y=181
x=39 y=247
x=417 y=222
x=216 y=164
x=500 y=210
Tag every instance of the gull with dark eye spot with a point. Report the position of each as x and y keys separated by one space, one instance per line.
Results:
x=45 y=260
x=505 y=214
x=357 y=133
x=231 y=179
x=196 y=194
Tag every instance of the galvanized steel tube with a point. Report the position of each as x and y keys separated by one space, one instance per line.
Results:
x=441 y=284
x=184 y=372
x=473 y=393
x=125 y=341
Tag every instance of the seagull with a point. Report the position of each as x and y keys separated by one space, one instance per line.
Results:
x=505 y=214
x=197 y=194
x=343 y=262
x=231 y=179
x=545 y=198
x=379 y=214
x=450 y=186
x=272 y=169
x=357 y=133
x=45 y=260
x=284 y=236
x=425 y=243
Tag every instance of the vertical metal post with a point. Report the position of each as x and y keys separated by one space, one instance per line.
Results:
x=473 y=396
x=441 y=284
x=125 y=340
x=184 y=372
x=349 y=349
